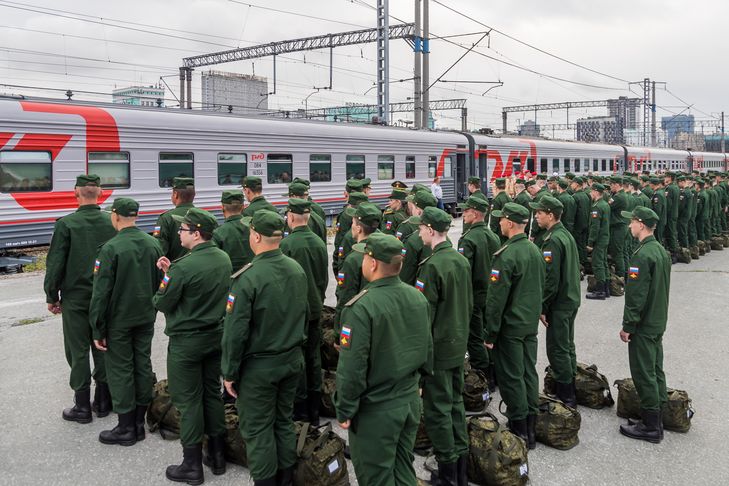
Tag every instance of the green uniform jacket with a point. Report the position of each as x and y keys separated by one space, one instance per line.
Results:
x=318 y=226
x=258 y=202
x=480 y=194
x=266 y=313
x=618 y=203
x=344 y=224
x=166 y=231
x=192 y=294
x=672 y=201
x=405 y=229
x=349 y=279
x=569 y=212
x=582 y=211
x=318 y=210
x=415 y=253
x=693 y=195
x=684 y=205
x=444 y=279
x=232 y=237
x=70 y=261
x=658 y=205
x=641 y=199
x=599 y=224
x=385 y=344
x=524 y=199
x=648 y=191
x=498 y=203
x=647 y=289
x=516 y=284
x=478 y=244
x=537 y=232
x=562 y=263
x=311 y=253
x=125 y=280
x=703 y=206
x=391 y=221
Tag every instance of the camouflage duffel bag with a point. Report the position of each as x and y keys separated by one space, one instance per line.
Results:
x=677 y=413
x=557 y=424
x=694 y=252
x=591 y=283
x=476 y=395
x=617 y=285
x=706 y=245
x=726 y=241
x=328 y=314
x=235 y=447
x=496 y=456
x=162 y=415
x=423 y=445
x=329 y=354
x=684 y=255
x=321 y=460
x=593 y=389
x=717 y=243
x=328 y=387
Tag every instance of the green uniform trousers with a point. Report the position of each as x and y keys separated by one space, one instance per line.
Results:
x=311 y=377
x=77 y=340
x=445 y=416
x=683 y=234
x=692 y=233
x=516 y=371
x=671 y=235
x=616 y=248
x=561 y=344
x=266 y=394
x=477 y=353
x=193 y=369
x=129 y=366
x=645 y=355
x=701 y=227
x=381 y=441
x=581 y=240
x=599 y=263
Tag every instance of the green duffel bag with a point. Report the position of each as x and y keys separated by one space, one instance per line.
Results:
x=717 y=243
x=677 y=413
x=321 y=460
x=235 y=447
x=496 y=456
x=593 y=389
x=329 y=354
x=726 y=241
x=694 y=252
x=162 y=415
x=328 y=315
x=591 y=283
x=476 y=395
x=684 y=255
x=707 y=246
x=617 y=286
x=328 y=387
x=557 y=424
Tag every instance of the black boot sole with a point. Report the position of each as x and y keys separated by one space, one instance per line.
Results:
x=218 y=472
x=641 y=437
x=191 y=482
x=125 y=443
x=102 y=414
x=77 y=420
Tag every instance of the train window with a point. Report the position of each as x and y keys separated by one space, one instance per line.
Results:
x=543 y=166
x=232 y=168
x=280 y=168
x=530 y=164
x=320 y=167
x=385 y=167
x=567 y=167
x=410 y=167
x=432 y=166
x=111 y=167
x=516 y=165
x=586 y=167
x=173 y=165
x=447 y=166
x=25 y=171
x=555 y=165
x=595 y=165
x=604 y=165
x=355 y=167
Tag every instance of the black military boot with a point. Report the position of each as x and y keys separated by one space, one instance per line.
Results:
x=139 y=414
x=125 y=433
x=190 y=471
x=81 y=411
x=649 y=429
x=300 y=411
x=102 y=400
x=313 y=401
x=637 y=421
x=492 y=378
x=566 y=394
x=447 y=475
x=532 y=431
x=215 y=458
x=598 y=293
x=606 y=289
x=265 y=482
x=462 y=470
x=519 y=428
x=285 y=477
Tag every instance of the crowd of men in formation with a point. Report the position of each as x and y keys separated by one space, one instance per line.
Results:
x=243 y=300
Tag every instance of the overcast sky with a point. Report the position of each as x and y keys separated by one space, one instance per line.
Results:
x=681 y=43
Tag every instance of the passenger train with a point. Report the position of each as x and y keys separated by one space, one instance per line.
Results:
x=44 y=144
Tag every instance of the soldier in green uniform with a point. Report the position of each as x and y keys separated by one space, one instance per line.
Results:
x=684 y=211
x=395 y=213
x=671 y=191
x=581 y=227
x=441 y=279
x=702 y=203
x=645 y=186
x=561 y=299
x=513 y=307
x=348 y=240
x=569 y=213
x=618 y=202
x=253 y=190
x=499 y=200
x=262 y=359
x=522 y=195
x=68 y=285
x=693 y=196
x=183 y=193
x=415 y=250
x=315 y=207
x=536 y=233
x=598 y=240
x=474 y=187
x=232 y=235
x=478 y=244
x=344 y=223
x=122 y=317
x=311 y=253
x=366 y=186
x=658 y=205
x=192 y=298
x=644 y=322
x=385 y=346
x=299 y=190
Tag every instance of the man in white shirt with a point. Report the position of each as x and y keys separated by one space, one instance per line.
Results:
x=437 y=192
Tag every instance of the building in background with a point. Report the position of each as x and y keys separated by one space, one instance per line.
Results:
x=688 y=141
x=153 y=95
x=529 y=129
x=712 y=143
x=625 y=110
x=634 y=137
x=243 y=92
x=605 y=129
x=673 y=125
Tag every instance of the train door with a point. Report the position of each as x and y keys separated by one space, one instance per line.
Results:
x=461 y=172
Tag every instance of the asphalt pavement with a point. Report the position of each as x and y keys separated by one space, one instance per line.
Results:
x=38 y=447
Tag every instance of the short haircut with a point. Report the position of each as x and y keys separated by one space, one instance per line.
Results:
x=393 y=268
x=206 y=236
x=366 y=229
x=185 y=195
x=89 y=192
x=234 y=208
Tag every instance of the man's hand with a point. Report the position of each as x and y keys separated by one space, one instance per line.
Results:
x=589 y=249
x=624 y=336
x=163 y=264
x=543 y=318
x=100 y=344
x=489 y=345
x=345 y=425
x=55 y=308
x=229 y=387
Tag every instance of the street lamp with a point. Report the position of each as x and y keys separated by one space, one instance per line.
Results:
x=306 y=102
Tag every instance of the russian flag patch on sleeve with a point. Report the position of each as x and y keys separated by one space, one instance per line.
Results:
x=156 y=231
x=345 y=337
x=495 y=274
x=230 y=304
x=420 y=285
x=97 y=265
x=340 y=278
x=594 y=214
x=164 y=283
x=547 y=256
x=633 y=273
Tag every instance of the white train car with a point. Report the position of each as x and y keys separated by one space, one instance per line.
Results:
x=137 y=152
x=706 y=161
x=657 y=159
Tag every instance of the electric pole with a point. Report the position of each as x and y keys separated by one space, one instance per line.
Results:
x=418 y=74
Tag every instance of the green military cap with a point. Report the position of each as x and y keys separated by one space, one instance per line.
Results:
x=356 y=198
x=549 y=204
x=366 y=182
x=530 y=182
x=700 y=181
x=435 y=218
x=645 y=215
x=474 y=180
x=266 y=222
x=520 y=181
x=297 y=189
x=399 y=185
x=563 y=183
x=198 y=219
x=681 y=178
x=513 y=212
x=670 y=174
x=125 y=206
x=475 y=202
x=553 y=178
x=399 y=194
x=579 y=180
x=231 y=197
x=298 y=206
x=634 y=182
x=299 y=180
x=354 y=185
x=615 y=180
x=542 y=177
x=655 y=180
x=423 y=199
x=597 y=178
x=182 y=182
x=500 y=182
x=645 y=178
x=369 y=214
x=381 y=246
x=597 y=187
x=253 y=183
x=419 y=187
x=88 y=180
x=570 y=175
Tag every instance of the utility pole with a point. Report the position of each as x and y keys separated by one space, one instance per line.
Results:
x=426 y=64
x=646 y=108
x=383 y=60
x=418 y=74
x=722 y=132
x=182 y=88
x=653 y=115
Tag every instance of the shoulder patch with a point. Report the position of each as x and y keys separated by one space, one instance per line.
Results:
x=547 y=256
x=164 y=283
x=420 y=285
x=356 y=298
x=230 y=304
x=156 y=231
x=345 y=337
x=633 y=273
x=340 y=279
x=495 y=275
x=97 y=265
x=239 y=272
